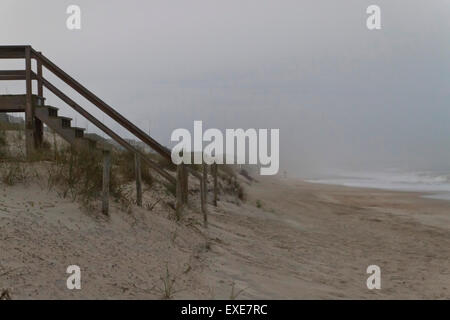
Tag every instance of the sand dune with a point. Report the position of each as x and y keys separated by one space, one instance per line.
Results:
x=301 y=241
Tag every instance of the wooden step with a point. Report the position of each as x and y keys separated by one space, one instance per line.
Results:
x=91 y=143
x=79 y=132
x=62 y=126
x=17 y=102
x=38 y=100
x=51 y=111
x=65 y=121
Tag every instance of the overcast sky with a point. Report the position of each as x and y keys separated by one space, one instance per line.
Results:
x=341 y=95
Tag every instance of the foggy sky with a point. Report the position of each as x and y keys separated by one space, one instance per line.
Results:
x=341 y=95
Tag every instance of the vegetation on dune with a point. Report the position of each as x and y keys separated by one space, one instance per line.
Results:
x=15 y=172
x=125 y=163
x=78 y=173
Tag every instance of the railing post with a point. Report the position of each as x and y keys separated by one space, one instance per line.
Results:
x=137 y=170
x=203 y=194
x=40 y=85
x=29 y=114
x=205 y=180
x=185 y=184
x=106 y=178
x=39 y=134
x=214 y=174
x=179 y=192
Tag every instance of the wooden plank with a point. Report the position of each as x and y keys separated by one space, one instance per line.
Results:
x=13 y=75
x=203 y=204
x=103 y=106
x=185 y=184
x=39 y=80
x=214 y=174
x=203 y=194
x=179 y=192
x=29 y=116
x=12 y=103
x=55 y=124
x=15 y=103
x=137 y=170
x=205 y=180
x=106 y=179
x=106 y=130
x=13 y=52
x=39 y=126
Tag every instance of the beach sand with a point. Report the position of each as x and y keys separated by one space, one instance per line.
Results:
x=316 y=241
x=289 y=240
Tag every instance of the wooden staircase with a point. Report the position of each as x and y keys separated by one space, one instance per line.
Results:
x=37 y=113
x=62 y=126
x=49 y=116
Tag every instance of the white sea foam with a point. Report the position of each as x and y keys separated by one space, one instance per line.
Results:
x=435 y=183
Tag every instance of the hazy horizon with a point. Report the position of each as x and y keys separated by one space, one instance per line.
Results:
x=342 y=96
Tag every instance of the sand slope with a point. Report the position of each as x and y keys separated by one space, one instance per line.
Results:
x=305 y=241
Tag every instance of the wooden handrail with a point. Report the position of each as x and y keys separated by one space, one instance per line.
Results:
x=103 y=106
x=102 y=127
x=17 y=52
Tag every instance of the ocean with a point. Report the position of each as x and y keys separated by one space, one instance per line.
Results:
x=436 y=185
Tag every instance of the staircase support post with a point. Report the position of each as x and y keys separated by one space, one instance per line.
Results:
x=137 y=170
x=39 y=132
x=29 y=114
x=106 y=179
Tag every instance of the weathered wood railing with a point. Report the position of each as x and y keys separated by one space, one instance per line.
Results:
x=33 y=125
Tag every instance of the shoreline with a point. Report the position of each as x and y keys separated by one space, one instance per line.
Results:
x=426 y=194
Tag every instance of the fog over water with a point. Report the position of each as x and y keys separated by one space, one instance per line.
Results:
x=343 y=97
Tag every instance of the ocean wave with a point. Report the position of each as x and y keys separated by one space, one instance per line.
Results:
x=391 y=180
